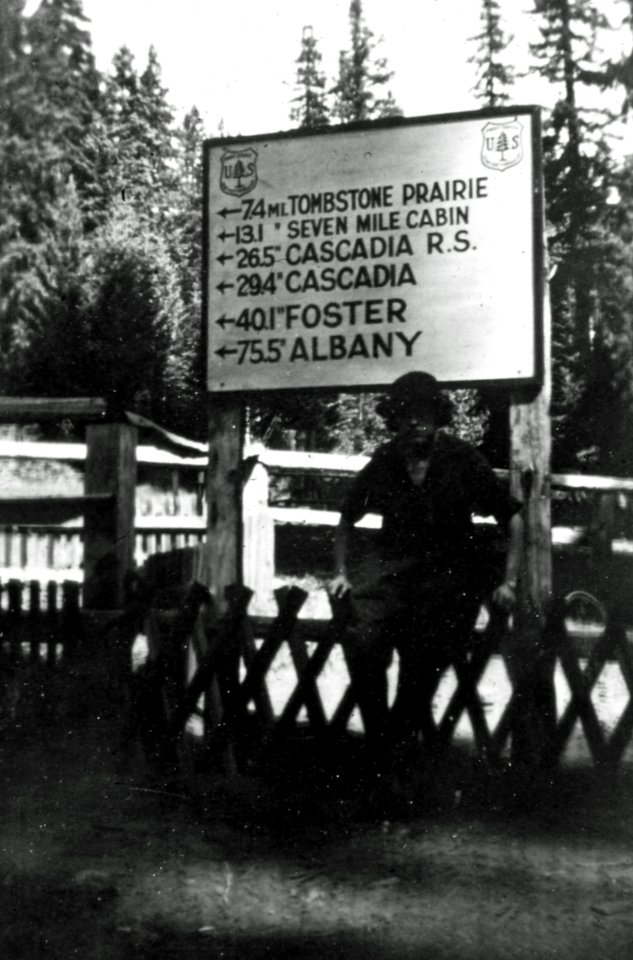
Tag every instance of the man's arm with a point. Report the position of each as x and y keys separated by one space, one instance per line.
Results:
x=340 y=584
x=505 y=594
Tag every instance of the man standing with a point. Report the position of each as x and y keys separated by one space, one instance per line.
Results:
x=422 y=590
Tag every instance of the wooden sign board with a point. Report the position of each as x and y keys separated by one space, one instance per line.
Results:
x=345 y=258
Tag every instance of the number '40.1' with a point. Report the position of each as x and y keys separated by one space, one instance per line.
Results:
x=256 y=318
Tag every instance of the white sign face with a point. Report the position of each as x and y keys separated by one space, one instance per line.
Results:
x=347 y=258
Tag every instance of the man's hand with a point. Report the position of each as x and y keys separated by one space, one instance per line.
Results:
x=505 y=596
x=339 y=586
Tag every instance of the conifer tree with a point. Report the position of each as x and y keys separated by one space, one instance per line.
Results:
x=185 y=372
x=310 y=108
x=50 y=95
x=185 y=226
x=578 y=170
x=90 y=288
x=139 y=121
x=493 y=75
x=47 y=345
x=361 y=91
x=133 y=305
x=65 y=94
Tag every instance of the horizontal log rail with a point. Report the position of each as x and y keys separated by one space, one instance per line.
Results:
x=50 y=510
x=43 y=409
x=286 y=462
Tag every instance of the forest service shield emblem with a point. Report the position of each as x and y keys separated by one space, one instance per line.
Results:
x=238 y=171
x=502 y=144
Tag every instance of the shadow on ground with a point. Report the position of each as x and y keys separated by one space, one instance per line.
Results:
x=104 y=857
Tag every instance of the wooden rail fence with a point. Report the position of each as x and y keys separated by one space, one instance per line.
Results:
x=234 y=683
x=238 y=686
x=39 y=624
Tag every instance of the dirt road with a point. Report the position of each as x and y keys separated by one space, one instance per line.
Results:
x=101 y=860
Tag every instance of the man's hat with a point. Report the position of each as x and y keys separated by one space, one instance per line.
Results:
x=417 y=388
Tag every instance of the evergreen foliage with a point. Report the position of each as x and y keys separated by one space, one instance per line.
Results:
x=493 y=75
x=140 y=122
x=361 y=91
x=50 y=94
x=578 y=172
x=346 y=422
x=100 y=225
x=100 y=244
x=310 y=107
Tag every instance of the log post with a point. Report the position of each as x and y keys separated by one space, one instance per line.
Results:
x=602 y=550
x=109 y=533
x=259 y=538
x=224 y=496
x=531 y=667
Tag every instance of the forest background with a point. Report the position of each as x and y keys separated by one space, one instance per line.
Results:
x=101 y=227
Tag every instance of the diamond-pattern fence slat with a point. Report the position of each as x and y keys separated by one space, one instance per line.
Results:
x=531 y=683
x=623 y=730
x=580 y=707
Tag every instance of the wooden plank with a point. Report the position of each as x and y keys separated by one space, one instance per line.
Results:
x=224 y=496
x=334 y=634
x=530 y=481
x=261 y=696
x=289 y=602
x=312 y=699
x=525 y=675
x=344 y=710
x=466 y=697
x=259 y=535
x=109 y=532
x=621 y=735
x=35 y=618
x=51 y=622
x=15 y=591
x=306 y=682
x=39 y=409
x=76 y=452
x=286 y=462
x=580 y=706
x=33 y=511
x=14 y=617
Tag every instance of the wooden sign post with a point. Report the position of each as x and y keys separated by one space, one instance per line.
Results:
x=109 y=532
x=224 y=494
x=531 y=665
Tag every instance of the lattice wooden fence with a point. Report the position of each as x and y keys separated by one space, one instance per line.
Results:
x=230 y=687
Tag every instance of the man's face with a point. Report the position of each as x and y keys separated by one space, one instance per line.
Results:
x=416 y=428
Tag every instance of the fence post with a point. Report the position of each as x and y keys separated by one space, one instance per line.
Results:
x=602 y=549
x=14 y=616
x=530 y=480
x=224 y=495
x=259 y=538
x=35 y=612
x=51 y=622
x=109 y=530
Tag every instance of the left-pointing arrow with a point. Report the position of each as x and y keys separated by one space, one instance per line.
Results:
x=224 y=257
x=224 y=286
x=224 y=321
x=226 y=351
x=225 y=211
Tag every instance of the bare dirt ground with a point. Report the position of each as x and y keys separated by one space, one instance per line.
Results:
x=101 y=858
